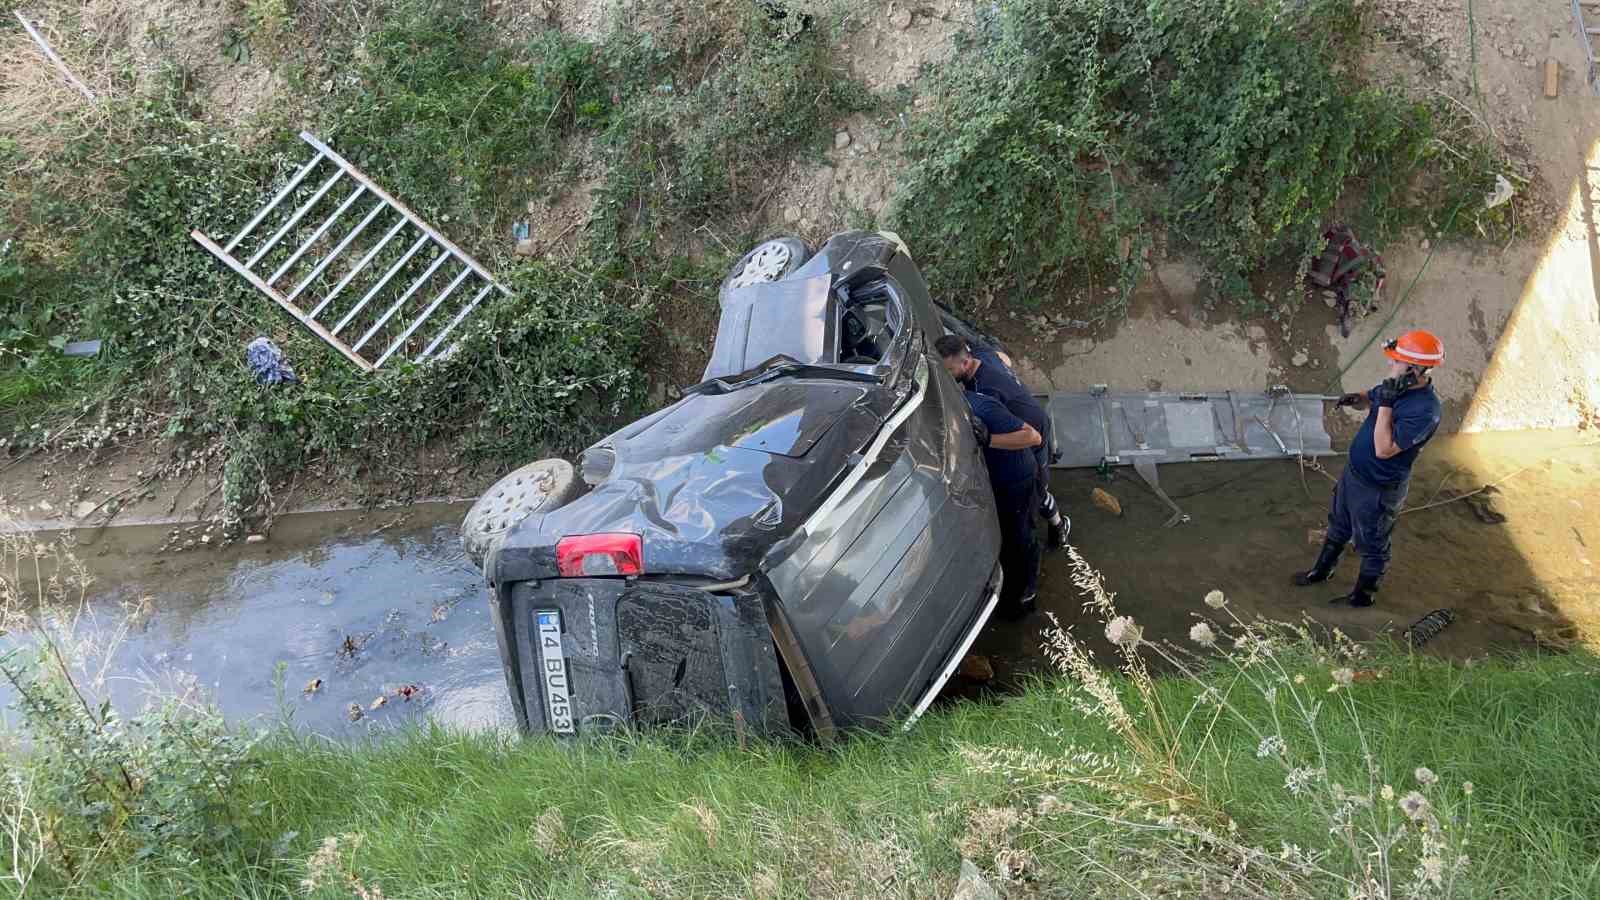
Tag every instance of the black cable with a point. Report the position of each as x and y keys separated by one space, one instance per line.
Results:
x=1221 y=484
x=1205 y=490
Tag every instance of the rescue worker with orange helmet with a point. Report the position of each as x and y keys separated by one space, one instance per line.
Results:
x=1403 y=414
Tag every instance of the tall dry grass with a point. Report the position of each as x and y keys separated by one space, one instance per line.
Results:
x=90 y=37
x=56 y=141
x=83 y=784
x=1373 y=838
x=43 y=593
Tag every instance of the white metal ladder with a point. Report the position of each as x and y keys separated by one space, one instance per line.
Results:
x=1586 y=34
x=430 y=265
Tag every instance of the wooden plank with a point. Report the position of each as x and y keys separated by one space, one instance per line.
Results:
x=1552 y=78
x=206 y=242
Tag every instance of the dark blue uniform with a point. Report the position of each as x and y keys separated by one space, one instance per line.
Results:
x=1013 y=474
x=1369 y=495
x=995 y=379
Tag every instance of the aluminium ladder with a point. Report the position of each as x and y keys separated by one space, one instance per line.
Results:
x=1102 y=428
x=297 y=271
x=1586 y=35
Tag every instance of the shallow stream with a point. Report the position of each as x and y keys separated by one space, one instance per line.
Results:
x=346 y=608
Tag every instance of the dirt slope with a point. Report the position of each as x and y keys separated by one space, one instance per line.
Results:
x=1521 y=323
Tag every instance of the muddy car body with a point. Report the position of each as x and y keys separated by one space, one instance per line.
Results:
x=806 y=539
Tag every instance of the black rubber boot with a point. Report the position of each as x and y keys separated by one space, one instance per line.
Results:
x=1057 y=536
x=1023 y=609
x=1361 y=596
x=1326 y=560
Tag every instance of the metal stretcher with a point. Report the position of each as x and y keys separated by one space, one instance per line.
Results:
x=1101 y=428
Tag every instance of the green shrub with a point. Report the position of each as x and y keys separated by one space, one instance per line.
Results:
x=694 y=144
x=457 y=126
x=1067 y=133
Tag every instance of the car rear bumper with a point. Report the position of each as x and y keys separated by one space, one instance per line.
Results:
x=591 y=654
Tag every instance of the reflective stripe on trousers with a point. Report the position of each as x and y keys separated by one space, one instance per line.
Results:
x=1047 y=506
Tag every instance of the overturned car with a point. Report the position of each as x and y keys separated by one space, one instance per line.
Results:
x=805 y=540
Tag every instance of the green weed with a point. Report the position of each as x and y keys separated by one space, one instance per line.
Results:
x=696 y=145
x=460 y=127
x=1069 y=134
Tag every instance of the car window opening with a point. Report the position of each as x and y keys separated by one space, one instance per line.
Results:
x=869 y=320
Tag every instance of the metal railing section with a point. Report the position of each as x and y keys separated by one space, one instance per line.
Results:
x=403 y=305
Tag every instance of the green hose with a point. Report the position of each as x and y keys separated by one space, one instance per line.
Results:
x=1472 y=46
x=1396 y=311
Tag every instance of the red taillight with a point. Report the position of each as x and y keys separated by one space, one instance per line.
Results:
x=600 y=554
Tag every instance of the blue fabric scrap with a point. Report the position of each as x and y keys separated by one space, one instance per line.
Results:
x=268 y=364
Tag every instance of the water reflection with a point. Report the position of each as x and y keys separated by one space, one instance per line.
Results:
x=367 y=610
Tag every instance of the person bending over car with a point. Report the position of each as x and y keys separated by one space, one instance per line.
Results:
x=1008 y=444
x=985 y=370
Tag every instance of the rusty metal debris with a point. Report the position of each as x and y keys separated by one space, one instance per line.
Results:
x=1428 y=627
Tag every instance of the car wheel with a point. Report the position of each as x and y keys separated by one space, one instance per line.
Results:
x=538 y=487
x=770 y=261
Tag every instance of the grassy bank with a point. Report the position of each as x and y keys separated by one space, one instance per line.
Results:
x=1270 y=760
x=469 y=125
x=432 y=814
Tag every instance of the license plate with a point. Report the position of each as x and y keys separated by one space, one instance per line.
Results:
x=553 y=671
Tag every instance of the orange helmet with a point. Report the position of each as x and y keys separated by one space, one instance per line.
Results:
x=1416 y=348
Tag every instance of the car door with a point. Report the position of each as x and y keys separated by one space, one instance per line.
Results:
x=891 y=570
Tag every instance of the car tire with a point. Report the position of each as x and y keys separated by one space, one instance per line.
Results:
x=771 y=260
x=538 y=487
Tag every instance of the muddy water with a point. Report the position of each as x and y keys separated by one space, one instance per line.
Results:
x=373 y=603
x=1527 y=582
x=224 y=622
